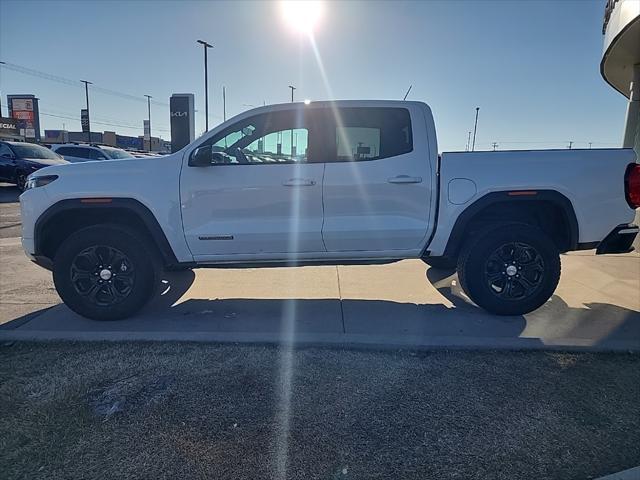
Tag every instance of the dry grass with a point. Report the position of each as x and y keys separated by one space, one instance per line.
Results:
x=145 y=410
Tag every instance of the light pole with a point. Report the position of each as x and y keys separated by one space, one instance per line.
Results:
x=86 y=93
x=475 y=128
x=1 y=63
x=205 y=45
x=149 y=97
x=292 y=89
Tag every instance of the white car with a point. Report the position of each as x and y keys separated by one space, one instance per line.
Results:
x=347 y=182
x=81 y=152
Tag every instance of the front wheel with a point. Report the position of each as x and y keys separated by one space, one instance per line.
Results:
x=511 y=269
x=104 y=272
x=21 y=181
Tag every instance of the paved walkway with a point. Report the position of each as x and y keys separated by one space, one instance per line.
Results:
x=597 y=306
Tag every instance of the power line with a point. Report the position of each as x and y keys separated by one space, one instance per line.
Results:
x=67 y=117
x=75 y=83
x=103 y=120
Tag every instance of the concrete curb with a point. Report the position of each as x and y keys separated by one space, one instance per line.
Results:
x=631 y=474
x=327 y=339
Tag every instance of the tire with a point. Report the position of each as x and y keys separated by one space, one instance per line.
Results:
x=105 y=272
x=509 y=269
x=443 y=263
x=21 y=181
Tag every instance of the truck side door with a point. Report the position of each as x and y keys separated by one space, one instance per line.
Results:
x=377 y=186
x=261 y=196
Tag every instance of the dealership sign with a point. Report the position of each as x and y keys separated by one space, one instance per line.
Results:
x=9 y=127
x=181 y=106
x=24 y=109
x=84 y=120
x=146 y=125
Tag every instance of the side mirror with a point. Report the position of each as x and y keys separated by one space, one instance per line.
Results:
x=220 y=157
x=201 y=157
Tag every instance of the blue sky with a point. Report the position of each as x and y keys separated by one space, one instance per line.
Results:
x=531 y=66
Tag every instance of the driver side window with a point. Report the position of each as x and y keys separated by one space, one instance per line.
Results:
x=5 y=151
x=283 y=146
x=278 y=137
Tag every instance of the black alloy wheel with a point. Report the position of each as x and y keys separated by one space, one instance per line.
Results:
x=102 y=274
x=514 y=271
x=106 y=272
x=509 y=268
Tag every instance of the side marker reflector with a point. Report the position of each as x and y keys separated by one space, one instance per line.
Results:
x=96 y=200
x=522 y=193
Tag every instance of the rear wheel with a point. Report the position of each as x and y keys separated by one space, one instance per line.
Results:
x=510 y=269
x=104 y=272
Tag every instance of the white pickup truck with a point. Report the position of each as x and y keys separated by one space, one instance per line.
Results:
x=327 y=183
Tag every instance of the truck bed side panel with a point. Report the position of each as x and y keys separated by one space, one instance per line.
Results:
x=592 y=180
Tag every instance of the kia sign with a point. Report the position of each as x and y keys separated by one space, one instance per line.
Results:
x=24 y=109
x=181 y=106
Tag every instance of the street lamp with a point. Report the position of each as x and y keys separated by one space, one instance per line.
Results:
x=292 y=89
x=205 y=45
x=1 y=63
x=149 y=97
x=86 y=93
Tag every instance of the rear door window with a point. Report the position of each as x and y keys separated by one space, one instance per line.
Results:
x=371 y=133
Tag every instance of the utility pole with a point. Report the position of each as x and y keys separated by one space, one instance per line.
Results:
x=570 y=145
x=149 y=97
x=495 y=145
x=86 y=93
x=205 y=45
x=224 y=104
x=468 y=142
x=475 y=128
x=292 y=89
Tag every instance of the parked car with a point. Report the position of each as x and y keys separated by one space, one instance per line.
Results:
x=19 y=159
x=79 y=152
x=348 y=182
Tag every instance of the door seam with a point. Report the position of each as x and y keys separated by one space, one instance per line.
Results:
x=344 y=330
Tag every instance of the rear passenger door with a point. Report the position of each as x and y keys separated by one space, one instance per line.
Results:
x=377 y=183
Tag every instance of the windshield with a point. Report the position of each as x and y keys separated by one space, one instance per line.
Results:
x=116 y=153
x=30 y=150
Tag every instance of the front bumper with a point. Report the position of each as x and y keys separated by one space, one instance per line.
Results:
x=619 y=240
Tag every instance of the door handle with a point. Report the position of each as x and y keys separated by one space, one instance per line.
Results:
x=404 y=179
x=298 y=182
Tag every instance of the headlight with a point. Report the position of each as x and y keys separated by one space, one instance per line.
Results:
x=33 y=182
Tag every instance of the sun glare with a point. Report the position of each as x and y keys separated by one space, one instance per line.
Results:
x=302 y=15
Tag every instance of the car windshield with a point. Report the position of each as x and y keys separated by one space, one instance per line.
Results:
x=116 y=153
x=30 y=150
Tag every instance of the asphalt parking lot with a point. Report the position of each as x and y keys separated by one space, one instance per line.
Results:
x=596 y=306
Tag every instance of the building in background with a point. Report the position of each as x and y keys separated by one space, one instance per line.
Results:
x=620 y=65
x=24 y=108
x=107 y=138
